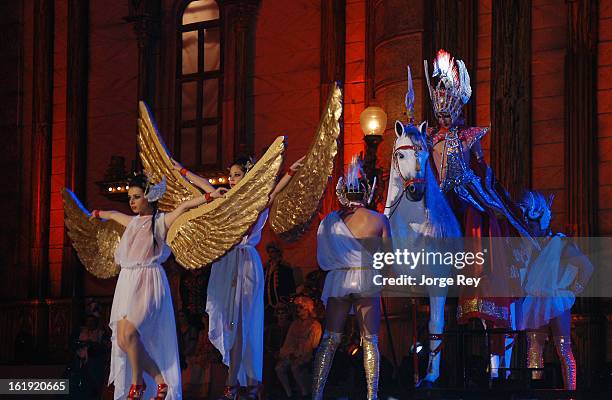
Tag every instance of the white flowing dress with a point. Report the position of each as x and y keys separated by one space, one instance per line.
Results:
x=547 y=285
x=341 y=254
x=235 y=298
x=142 y=296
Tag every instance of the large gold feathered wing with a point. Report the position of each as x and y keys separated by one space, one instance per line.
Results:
x=295 y=206
x=203 y=234
x=157 y=163
x=95 y=241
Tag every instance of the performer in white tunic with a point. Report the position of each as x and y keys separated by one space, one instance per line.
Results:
x=348 y=283
x=235 y=295
x=142 y=317
x=552 y=279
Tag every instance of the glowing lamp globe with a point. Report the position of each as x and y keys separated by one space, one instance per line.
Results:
x=373 y=121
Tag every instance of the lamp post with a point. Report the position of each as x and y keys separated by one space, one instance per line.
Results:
x=373 y=121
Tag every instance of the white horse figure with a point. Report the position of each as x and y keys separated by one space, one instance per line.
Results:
x=417 y=209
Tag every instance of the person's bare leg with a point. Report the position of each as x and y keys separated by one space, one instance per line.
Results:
x=149 y=365
x=299 y=374
x=235 y=352
x=368 y=317
x=283 y=377
x=335 y=317
x=335 y=314
x=125 y=340
x=129 y=341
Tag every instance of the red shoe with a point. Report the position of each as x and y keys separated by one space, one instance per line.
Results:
x=162 y=392
x=230 y=392
x=137 y=392
x=255 y=392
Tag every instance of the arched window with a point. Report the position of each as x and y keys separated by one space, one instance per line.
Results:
x=199 y=85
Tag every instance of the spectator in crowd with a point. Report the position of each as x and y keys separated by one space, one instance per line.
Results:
x=279 y=281
x=276 y=332
x=200 y=363
x=312 y=287
x=297 y=351
x=192 y=290
x=91 y=345
x=188 y=339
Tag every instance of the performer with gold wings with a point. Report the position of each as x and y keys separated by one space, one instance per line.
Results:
x=235 y=289
x=142 y=317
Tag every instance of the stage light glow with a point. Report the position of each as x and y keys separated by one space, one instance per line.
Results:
x=352 y=349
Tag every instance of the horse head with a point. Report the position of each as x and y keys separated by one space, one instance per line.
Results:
x=409 y=160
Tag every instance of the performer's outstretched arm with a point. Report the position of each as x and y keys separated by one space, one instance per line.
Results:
x=189 y=204
x=196 y=179
x=284 y=181
x=116 y=216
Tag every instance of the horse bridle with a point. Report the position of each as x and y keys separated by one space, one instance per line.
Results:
x=406 y=181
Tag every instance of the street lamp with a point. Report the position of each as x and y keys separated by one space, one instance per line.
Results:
x=373 y=122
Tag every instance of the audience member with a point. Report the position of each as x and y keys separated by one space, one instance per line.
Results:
x=279 y=281
x=297 y=351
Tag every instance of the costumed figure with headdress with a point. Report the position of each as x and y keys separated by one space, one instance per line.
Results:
x=142 y=318
x=481 y=205
x=348 y=284
x=552 y=278
x=225 y=234
x=235 y=294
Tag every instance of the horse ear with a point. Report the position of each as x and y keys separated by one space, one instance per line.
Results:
x=399 y=128
x=423 y=128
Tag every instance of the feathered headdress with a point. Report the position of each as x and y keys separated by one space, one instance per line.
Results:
x=535 y=205
x=353 y=191
x=410 y=99
x=453 y=88
x=155 y=192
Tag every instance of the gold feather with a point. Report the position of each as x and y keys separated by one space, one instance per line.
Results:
x=205 y=233
x=157 y=163
x=295 y=206
x=95 y=241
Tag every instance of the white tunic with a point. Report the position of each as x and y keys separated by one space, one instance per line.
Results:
x=547 y=285
x=142 y=296
x=235 y=298
x=341 y=254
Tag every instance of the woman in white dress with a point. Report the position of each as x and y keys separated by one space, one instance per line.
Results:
x=235 y=295
x=142 y=317
x=553 y=278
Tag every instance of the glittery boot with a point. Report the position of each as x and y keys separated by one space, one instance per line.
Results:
x=563 y=344
x=323 y=362
x=535 y=350
x=371 y=364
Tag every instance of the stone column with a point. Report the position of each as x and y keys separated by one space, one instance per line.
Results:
x=581 y=117
x=42 y=115
x=511 y=94
x=239 y=18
